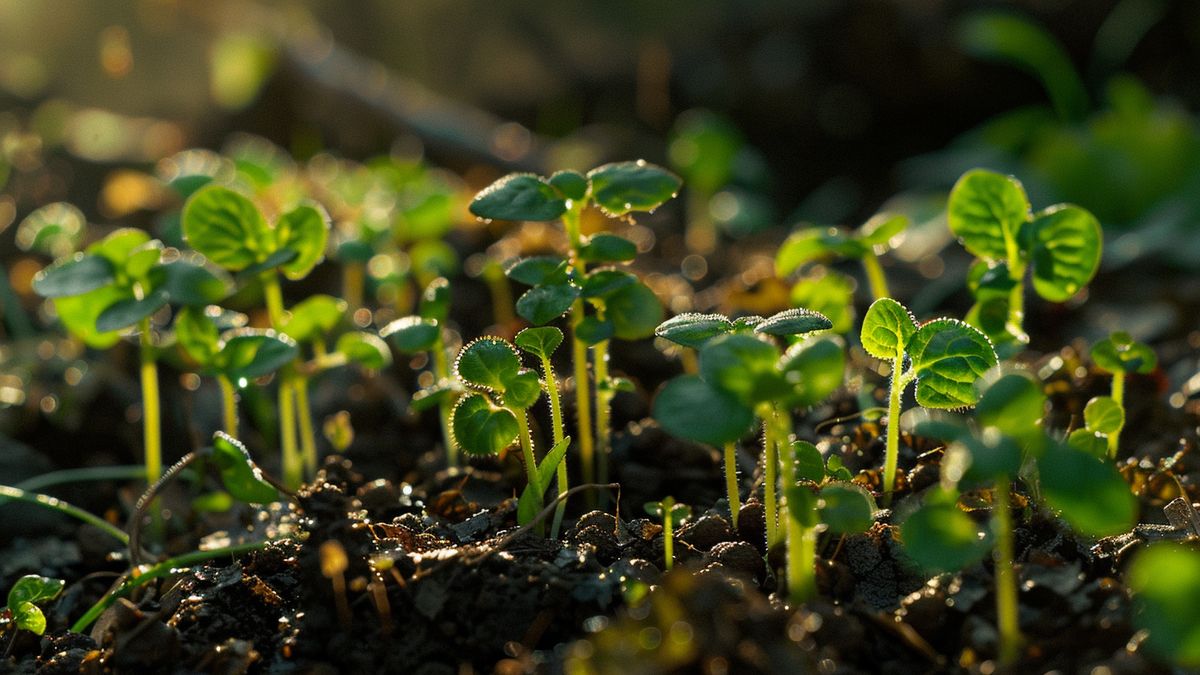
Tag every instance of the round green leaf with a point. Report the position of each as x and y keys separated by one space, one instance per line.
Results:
x=543 y=304
x=412 y=334
x=197 y=334
x=846 y=508
x=250 y=353
x=605 y=282
x=129 y=311
x=304 y=229
x=1089 y=442
x=488 y=363
x=1066 y=251
x=1103 y=415
x=540 y=342
x=240 y=475
x=140 y=260
x=688 y=407
x=27 y=616
x=519 y=196
x=881 y=228
x=314 y=316
x=1165 y=579
x=538 y=270
x=75 y=276
x=940 y=537
x=985 y=210
x=54 y=229
x=34 y=589
x=810 y=465
x=634 y=311
x=887 y=329
x=803 y=505
x=189 y=284
x=1091 y=494
x=1013 y=404
x=949 y=357
x=481 y=428
x=744 y=366
x=522 y=390
x=829 y=293
x=795 y=321
x=623 y=187
x=435 y=300
x=1119 y=352
x=226 y=227
x=119 y=245
x=593 y=330
x=693 y=329
x=78 y=315
x=813 y=369
x=604 y=247
x=365 y=349
x=803 y=246
x=572 y=184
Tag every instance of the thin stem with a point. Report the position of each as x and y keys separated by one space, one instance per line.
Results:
x=556 y=423
x=603 y=410
x=502 y=300
x=441 y=371
x=229 y=401
x=143 y=502
x=308 y=439
x=668 y=540
x=875 y=276
x=579 y=353
x=1118 y=395
x=770 y=467
x=801 y=541
x=892 y=458
x=1006 y=578
x=151 y=419
x=731 y=482
x=291 y=461
x=531 y=472
x=64 y=508
x=45 y=480
x=1016 y=298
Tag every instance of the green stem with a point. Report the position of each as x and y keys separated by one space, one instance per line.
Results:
x=151 y=416
x=441 y=371
x=875 y=276
x=801 y=558
x=668 y=540
x=1118 y=395
x=731 y=482
x=579 y=353
x=603 y=410
x=353 y=283
x=159 y=571
x=892 y=458
x=291 y=461
x=770 y=467
x=45 y=480
x=1006 y=578
x=556 y=422
x=308 y=439
x=1016 y=298
x=229 y=412
x=531 y=472
x=64 y=508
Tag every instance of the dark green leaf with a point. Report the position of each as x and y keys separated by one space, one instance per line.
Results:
x=795 y=321
x=365 y=349
x=225 y=226
x=605 y=247
x=431 y=397
x=128 y=312
x=272 y=261
x=482 y=428
x=76 y=276
x=949 y=357
x=802 y=504
x=603 y=283
x=887 y=329
x=250 y=353
x=810 y=465
x=239 y=474
x=1119 y=352
x=1165 y=579
x=538 y=270
x=744 y=366
x=34 y=589
x=572 y=184
x=693 y=329
x=846 y=508
x=1091 y=494
x=412 y=334
x=1013 y=404
x=519 y=196
x=304 y=229
x=197 y=334
x=814 y=369
x=592 y=330
x=1104 y=415
x=488 y=363
x=634 y=311
x=987 y=209
x=542 y=304
x=940 y=537
x=1066 y=251
x=540 y=342
x=522 y=389
x=624 y=187
x=688 y=407
x=435 y=300
x=189 y=284
x=355 y=251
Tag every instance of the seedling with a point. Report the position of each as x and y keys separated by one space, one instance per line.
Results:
x=945 y=356
x=118 y=284
x=1165 y=579
x=24 y=597
x=813 y=244
x=1121 y=355
x=991 y=216
x=230 y=230
x=1103 y=419
x=671 y=514
x=541 y=342
x=623 y=307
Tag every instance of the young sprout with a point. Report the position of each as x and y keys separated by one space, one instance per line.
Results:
x=991 y=216
x=541 y=342
x=623 y=307
x=1165 y=579
x=946 y=357
x=1121 y=355
x=828 y=243
x=1103 y=419
x=117 y=285
x=334 y=564
x=231 y=232
x=671 y=514
x=24 y=597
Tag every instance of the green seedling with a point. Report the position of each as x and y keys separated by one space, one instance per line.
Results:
x=494 y=414
x=1004 y=440
x=24 y=597
x=425 y=332
x=1103 y=419
x=744 y=375
x=945 y=356
x=117 y=285
x=813 y=244
x=991 y=216
x=1165 y=579
x=1121 y=355
x=623 y=307
x=231 y=232
x=672 y=514
x=542 y=342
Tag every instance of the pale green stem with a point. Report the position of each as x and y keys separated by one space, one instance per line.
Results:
x=441 y=371
x=801 y=541
x=56 y=504
x=1118 y=395
x=1006 y=578
x=291 y=461
x=531 y=472
x=556 y=422
x=308 y=439
x=502 y=300
x=668 y=540
x=603 y=400
x=875 y=276
x=151 y=417
x=229 y=399
x=1016 y=301
x=583 y=405
x=731 y=482
x=892 y=458
x=770 y=468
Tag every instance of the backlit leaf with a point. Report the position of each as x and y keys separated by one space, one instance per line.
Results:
x=985 y=210
x=482 y=428
x=887 y=329
x=519 y=196
x=1066 y=251
x=949 y=357
x=624 y=187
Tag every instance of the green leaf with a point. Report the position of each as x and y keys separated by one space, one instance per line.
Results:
x=592 y=330
x=226 y=227
x=239 y=474
x=881 y=228
x=704 y=148
x=846 y=508
x=803 y=504
x=829 y=293
x=270 y=262
x=431 y=397
x=54 y=229
x=488 y=363
x=1165 y=579
x=482 y=428
x=75 y=276
x=549 y=465
x=78 y=315
x=530 y=501
x=981 y=458
x=795 y=321
x=540 y=342
x=542 y=304
x=314 y=317
x=1104 y=415
x=572 y=184
x=744 y=366
x=693 y=329
x=119 y=245
x=940 y=537
x=435 y=300
x=688 y=407
x=1119 y=352
x=810 y=465
x=1089 y=442
x=604 y=283
x=887 y=329
x=987 y=209
x=522 y=390
x=27 y=616
x=634 y=311
x=250 y=353
x=813 y=369
x=189 y=284
x=140 y=260
x=1013 y=404
x=305 y=230
x=519 y=196
x=949 y=357
x=365 y=349
x=355 y=251
x=1066 y=251
x=129 y=311
x=1091 y=494
x=605 y=247
x=34 y=589
x=412 y=334
x=624 y=187
x=197 y=335
x=538 y=270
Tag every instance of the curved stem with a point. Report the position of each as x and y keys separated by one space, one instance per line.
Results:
x=151 y=415
x=1006 y=578
x=556 y=424
x=892 y=458
x=875 y=276
x=143 y=503
x=56 y=504
x=441 y=371
x=731 y=482
x=229 y=401
x=308 y=440
x=1118 y=395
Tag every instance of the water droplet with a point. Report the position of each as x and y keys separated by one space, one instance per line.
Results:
x=628 y=206
x=640 y=163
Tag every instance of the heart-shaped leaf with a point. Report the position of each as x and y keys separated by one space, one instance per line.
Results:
x=542 y=304
x=688 y=407
x=795 y=321
x=624 y=187
x=78 y=314
x=74 y=276
x=129 y=311
x=305 y=230
x=519 y=196
x=239 y=474
x=481 y=427
x=810 y=465
x=365 y=349
x=1120 y=353
x=693 y=329
x=250 y=353
x=225 y=226
x=986 y=211
x=488 y=363
x=540 y=342
x=1066 y=251
x=887 y=329
x=412 y=334
x=949 y=357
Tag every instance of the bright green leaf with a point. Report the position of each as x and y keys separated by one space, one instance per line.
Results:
x=522 y=390
x=829 y=293
x=365 y=349
x=1103 y=415
x=881 y=228
x=540 y=342
x=795 y=321
x=412 y=334
x=482 y=428
x=572 y=184
x=624 y=187
x=1066 y=251
x=314 y=317
x=940 y=537
x=226 y=227
x=813 y=369
x=304 y=229
x=810 y=465
x=197 y=334
x=488 y=363
x=78 y=315
x=27 y=616
x=1091 y=494
x=34 y=589
x=987 y=209
x=239 y=474
x=250 y=353
x=949 y=357
x=75 y=276
x=887 y=329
